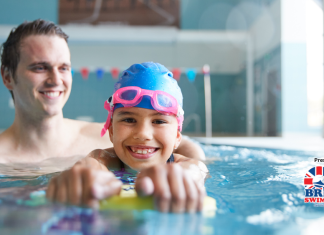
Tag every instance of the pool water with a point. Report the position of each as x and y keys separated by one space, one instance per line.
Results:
x=258 y=191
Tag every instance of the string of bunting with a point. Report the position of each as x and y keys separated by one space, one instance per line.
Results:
x=191 y=73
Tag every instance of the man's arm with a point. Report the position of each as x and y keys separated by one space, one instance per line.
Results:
x=190 y=149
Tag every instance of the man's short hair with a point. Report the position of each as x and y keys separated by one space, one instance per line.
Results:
x=10 y=49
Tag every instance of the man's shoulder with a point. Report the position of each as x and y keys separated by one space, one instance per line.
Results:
x=6 y=145
x=89 y=131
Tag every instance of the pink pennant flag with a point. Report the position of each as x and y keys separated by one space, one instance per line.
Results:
x=84 y=73
x=114 y=73
x=176 y=73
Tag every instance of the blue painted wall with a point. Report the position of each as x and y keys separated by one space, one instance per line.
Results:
x=264 y=69
x=228 y=103
x=14 y=12
x=7 y=114
x=88 y=96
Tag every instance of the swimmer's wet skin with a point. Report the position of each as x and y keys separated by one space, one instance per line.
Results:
x=144 y=121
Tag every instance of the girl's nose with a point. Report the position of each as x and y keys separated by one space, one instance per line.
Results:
x=143 y=131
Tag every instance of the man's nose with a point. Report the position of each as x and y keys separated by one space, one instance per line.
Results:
x=143 y=131
x=55 y=77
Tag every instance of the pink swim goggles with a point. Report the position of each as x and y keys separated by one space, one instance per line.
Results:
x=132 y=95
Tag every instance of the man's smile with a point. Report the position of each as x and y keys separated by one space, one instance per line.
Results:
x=51 y=94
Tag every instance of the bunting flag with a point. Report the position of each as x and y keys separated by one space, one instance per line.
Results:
x=114 y=73
x=206 y=69
x=100 y=73
x=176 y=73
x=191 y=74
x=84 y=73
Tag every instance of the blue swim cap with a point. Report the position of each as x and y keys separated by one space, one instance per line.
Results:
x=149 y=76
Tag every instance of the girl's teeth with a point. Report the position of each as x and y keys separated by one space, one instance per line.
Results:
x=142 y=151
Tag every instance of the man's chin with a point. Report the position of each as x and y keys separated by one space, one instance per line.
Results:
x=53 y=111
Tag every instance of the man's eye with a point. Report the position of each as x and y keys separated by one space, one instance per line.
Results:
x=129 y=120
x=159 y=122
x=65 y=68
x=39 y=68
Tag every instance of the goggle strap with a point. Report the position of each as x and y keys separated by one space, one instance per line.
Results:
x=180 y=111
x=110 y=101
x=103 y=131
x=180 y=122
x=108 y=106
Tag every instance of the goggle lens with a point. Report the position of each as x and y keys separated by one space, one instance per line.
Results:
x=128 y=95
x=164 y=101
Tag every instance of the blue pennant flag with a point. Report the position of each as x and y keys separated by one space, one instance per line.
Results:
x=100 y=73
x=191 y=74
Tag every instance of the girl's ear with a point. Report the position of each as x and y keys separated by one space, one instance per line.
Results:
x=178 y=140
x=111 y=133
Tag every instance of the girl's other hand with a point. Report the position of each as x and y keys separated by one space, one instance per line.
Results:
x=173 y=188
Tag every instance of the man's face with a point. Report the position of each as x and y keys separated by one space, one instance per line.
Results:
x=43 y=76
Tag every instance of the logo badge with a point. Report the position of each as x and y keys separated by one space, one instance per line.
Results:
x=314 y=183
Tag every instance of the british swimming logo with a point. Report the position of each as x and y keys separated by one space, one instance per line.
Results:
x=314 y=183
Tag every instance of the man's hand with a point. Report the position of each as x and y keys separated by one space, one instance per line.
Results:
x=84 y=184
x=173 y=188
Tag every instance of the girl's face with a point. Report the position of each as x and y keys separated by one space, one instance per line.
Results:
x=143 y=137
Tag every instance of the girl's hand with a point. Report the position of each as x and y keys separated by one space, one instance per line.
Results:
x=84 y=184
x=173 y=187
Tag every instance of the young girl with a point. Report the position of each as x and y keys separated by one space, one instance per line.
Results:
x=144 y=122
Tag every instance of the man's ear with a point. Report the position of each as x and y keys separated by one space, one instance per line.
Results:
x=178 y=140
x=7 y=78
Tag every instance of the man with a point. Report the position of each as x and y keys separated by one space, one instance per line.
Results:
x=36 y=69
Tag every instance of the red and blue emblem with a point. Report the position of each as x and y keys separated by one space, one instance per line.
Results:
x=314 y=178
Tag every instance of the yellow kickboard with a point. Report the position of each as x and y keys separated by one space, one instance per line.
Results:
x=128 y=200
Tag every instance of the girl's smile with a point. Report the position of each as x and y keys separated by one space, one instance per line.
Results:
x=142 y=152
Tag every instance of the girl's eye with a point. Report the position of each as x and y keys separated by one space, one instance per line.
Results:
x=129 y=120
x=159 y=122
